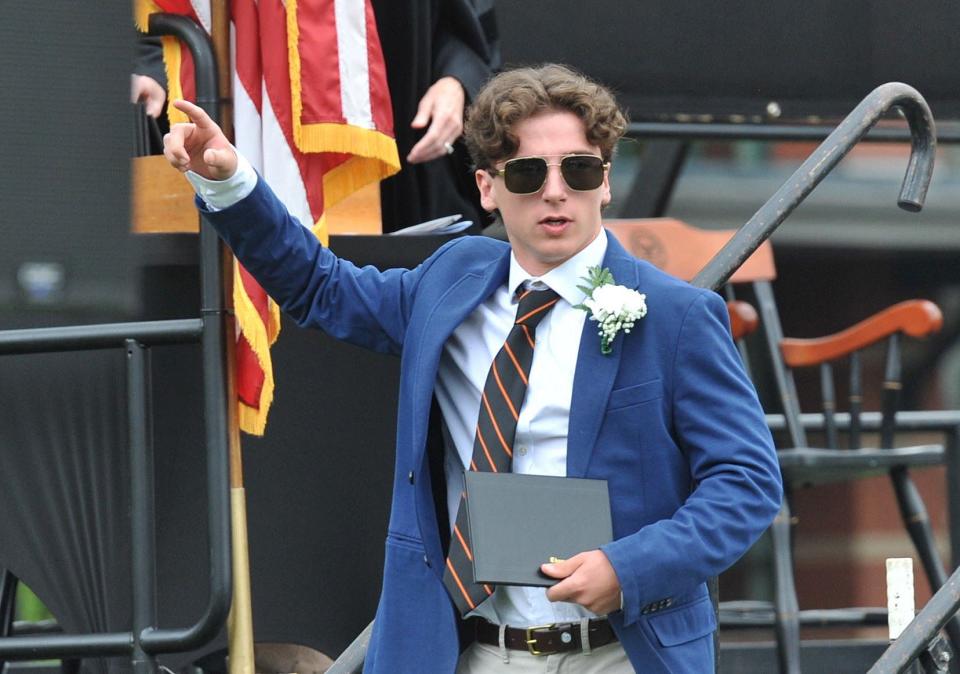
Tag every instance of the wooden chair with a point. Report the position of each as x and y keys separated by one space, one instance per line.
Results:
x=682 y=251
x=804 y=465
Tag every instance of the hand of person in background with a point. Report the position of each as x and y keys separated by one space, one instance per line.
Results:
x=148 y=91
x=442 y=108
x=199 y=145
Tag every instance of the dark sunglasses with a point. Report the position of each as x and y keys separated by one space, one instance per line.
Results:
x=527 y=175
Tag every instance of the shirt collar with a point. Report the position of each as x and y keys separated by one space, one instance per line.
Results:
x=565 y=278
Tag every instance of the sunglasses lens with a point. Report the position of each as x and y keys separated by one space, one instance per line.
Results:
x=525 y=176
x=582 y=172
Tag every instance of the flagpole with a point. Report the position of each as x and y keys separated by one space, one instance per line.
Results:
x=240 y=620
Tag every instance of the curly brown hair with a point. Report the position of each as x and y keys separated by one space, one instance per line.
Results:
x=518 y=94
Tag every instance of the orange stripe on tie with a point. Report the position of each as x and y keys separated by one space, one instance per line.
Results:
x=493 y=421
x=466 y=548
x=525 y=293
x=530 y=340
x=463 y=590
x=486 y=451
x=496 y=375
x=516 y=363
x=486 y=588
x=538 y=310
x=473 y=465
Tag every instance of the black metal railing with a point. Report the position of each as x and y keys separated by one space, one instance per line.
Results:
x=827 y=155
x=915 y=639
x=146 y=640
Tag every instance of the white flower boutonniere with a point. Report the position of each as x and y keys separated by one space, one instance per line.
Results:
x=613 y=307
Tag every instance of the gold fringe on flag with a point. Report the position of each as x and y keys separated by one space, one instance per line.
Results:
x=142 y=9
x=375 y=153
x=260 y=337
x=171 y=61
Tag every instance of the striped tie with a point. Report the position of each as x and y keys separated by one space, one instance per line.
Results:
x=500 y=406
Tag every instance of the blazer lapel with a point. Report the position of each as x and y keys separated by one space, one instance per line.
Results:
x=595 y=372
x=465 y=293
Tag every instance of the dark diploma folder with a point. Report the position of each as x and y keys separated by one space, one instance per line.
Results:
x=518 y=522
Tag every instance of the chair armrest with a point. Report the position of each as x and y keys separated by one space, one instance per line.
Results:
x=917 y=318
x=743 y=318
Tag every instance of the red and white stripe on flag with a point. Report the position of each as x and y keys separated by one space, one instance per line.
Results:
x=312 y=114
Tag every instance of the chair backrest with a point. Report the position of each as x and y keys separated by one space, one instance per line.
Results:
x=682 y=250
x=915 y=318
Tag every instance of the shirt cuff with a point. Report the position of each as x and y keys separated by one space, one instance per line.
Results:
x=221 y=194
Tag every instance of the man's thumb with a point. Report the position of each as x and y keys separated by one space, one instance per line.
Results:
x=557 y=568
x=219 y=161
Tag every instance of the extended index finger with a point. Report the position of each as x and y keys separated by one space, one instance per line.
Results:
x=196 y=114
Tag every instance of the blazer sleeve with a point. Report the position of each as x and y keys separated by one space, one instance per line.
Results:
x=361 y=305
x=721 y=429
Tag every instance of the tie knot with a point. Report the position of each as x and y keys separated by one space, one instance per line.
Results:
x=534 y=305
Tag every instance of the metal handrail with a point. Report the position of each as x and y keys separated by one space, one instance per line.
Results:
x=948 y=132
x=827 y=155
x=100 y=336
x=922 y=629
x=909 y=420
x=145 y=640
x=783 y=202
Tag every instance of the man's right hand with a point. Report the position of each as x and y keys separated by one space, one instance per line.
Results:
x=199 y=145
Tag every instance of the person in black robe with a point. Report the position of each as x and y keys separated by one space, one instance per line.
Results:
x=438 y=54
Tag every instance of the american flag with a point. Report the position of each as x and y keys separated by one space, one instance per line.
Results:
x=312 y=114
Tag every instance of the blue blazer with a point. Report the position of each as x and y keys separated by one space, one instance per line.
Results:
x=669 y=419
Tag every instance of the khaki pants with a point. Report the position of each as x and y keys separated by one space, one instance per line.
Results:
x=486 y=659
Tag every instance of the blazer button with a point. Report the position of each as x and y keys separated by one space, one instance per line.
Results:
x=410 y=476
x=426 y=560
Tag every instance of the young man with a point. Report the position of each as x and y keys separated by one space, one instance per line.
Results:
x=667 y=416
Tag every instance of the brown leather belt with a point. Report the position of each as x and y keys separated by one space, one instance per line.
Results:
x=547 y=639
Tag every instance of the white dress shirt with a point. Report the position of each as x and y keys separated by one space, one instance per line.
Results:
x=540 y=447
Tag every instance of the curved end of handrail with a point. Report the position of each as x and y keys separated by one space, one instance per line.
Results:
x=205 y=60
x=848 y=133
x=156 y=641
x=911 y=205
x=923 y=144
